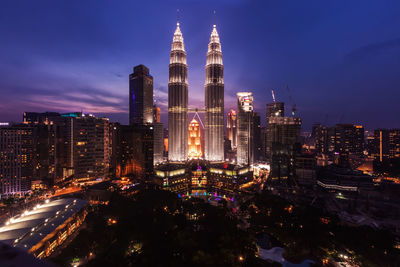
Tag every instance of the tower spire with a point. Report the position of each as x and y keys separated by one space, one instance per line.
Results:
x=177 y=17
x=215 y=18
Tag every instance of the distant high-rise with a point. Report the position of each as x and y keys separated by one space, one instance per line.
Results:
x=135 y=155
x=156 y=114
x=320 y=136
x=386 y=143
x=275 y=109
x=283 y=144
x=231 y=128
x=245 y=128
x=158 y=133
x=140 y=96
x=177 y=100
x=195 y=151
x=346 y=139
x=214 y=100
x=257 y=144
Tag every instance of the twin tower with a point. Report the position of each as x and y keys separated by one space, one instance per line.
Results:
x=178 y=100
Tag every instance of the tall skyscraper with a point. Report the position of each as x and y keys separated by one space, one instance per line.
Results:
x=140 y=96
x=214 y=100
x=177 y=100
x=231 y=128
x=245 y=128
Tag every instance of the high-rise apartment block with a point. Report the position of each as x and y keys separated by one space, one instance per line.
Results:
x=17 y=160
x=91 y=147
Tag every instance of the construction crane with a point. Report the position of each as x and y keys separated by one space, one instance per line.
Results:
x=273 y=95
x=291 y=100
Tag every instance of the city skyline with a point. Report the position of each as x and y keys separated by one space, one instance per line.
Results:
x=199 y=133
x=71 y=68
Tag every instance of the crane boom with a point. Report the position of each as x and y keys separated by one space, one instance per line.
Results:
x=273 y=95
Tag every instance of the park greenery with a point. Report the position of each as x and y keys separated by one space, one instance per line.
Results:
x=308 y=232
x=158 y=228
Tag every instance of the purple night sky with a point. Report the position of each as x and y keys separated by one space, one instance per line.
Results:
x=341 y=59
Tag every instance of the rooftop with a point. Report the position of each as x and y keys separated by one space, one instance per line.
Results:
x=29 y=228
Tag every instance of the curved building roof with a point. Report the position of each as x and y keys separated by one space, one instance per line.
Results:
x=29 y=228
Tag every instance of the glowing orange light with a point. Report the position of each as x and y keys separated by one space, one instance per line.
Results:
x=194 y=141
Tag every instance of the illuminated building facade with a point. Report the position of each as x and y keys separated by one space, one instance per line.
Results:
x=178 y=100
x=135 y=155
x=194 y=141
x=386 y=143
x=55 y=140
x=17 y=155
x=214 y=100
x=347 y=139
x=91 y=147
x=231 y=128
x=140 y=96
x=245 y=128
x=201 y=177
x=173 y=177
x=47 y=141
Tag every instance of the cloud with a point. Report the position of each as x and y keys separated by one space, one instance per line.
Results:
x=74 y=99
x=371 y=50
